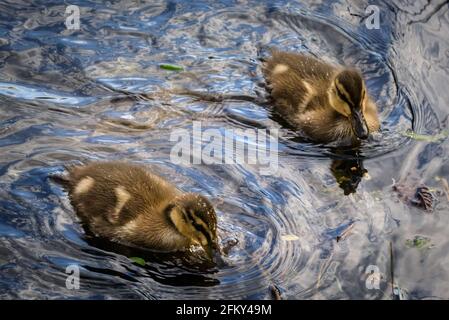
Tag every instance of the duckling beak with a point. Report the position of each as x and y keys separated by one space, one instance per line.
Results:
x=359 y=125
x=213 y=253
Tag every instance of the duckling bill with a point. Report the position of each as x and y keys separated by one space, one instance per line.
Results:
x=327 y=103
x=129 y=204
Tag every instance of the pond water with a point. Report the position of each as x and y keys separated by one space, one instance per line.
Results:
x=59 y=105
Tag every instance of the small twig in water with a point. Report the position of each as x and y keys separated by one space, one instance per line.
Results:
x=275 y=292
x=392 y=268
x=395 y=289
x=345 y=232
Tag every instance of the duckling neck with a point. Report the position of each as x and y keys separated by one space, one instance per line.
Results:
x=341 y=129
x=327 y=125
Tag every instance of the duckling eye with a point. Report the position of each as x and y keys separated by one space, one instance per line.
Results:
x=343 y=97
x=342 y=105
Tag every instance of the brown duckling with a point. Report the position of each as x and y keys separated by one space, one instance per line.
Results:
x=129 y=204
x=328 y=103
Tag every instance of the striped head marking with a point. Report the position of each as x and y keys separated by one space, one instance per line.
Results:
x=194 y=217
x=348 y=97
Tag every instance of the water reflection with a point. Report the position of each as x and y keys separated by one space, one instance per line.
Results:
x=348 y=172
x=193 y=270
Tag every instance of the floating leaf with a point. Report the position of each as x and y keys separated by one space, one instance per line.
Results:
x=425 y=137
x=138 y=260
x=171 y=67
x=419 y=242
x=420 y=197
x=423 y=198
x=289 y=237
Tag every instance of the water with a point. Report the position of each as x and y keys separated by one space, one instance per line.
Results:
x=56 y=108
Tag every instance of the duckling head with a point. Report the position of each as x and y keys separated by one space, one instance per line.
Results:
x=347 y=96
x=194 y=217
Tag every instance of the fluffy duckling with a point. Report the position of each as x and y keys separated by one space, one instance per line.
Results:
x=328 y=103
x=126 y=203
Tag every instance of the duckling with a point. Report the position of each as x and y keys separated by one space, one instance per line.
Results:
x=328 y=103
x=129 y=204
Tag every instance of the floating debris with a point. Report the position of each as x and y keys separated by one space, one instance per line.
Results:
x=399 y=293
x=420 y=197
x=229 y=244
x=345 y=233
x=138 y=260
x=275 y=292
x=423 y=198
x=289 y=237
x=419 y=242
x=423 y=137
x=171 y=67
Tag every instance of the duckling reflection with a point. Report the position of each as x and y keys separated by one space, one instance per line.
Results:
x=179 y=268
x=126 y=203
x=348 y=172
x=327 y=103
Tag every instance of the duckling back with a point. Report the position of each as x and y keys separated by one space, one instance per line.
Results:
x=124 y=202
x=293 y=79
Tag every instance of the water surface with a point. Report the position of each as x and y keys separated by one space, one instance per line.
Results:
x=57 y=108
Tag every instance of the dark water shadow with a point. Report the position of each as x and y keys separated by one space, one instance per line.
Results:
x=180 y=268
